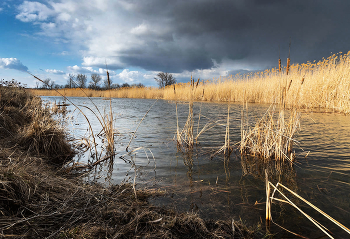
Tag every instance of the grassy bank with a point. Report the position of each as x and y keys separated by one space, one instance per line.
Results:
x=39 y=199
x=322 y=85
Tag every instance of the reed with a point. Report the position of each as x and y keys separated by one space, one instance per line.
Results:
x=278 y=189
x=226 y=149
x=108 y=130
x=272 y=137
x=279 y=65
x=322 y=85
x=108 y=125
x=185 y=137
x=131 y=92
x=288 y=66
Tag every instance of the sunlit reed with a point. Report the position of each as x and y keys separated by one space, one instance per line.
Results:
x=323 y=85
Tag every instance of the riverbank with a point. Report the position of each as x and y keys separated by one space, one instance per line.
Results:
x=40 y=199
x=323 y=85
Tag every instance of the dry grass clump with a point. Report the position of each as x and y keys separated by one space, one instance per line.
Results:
x=12 y=100
x=185 y=137
x=272 y=137
x=43 y=135
x=27 y=123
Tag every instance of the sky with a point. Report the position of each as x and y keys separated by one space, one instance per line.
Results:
x=139 y=38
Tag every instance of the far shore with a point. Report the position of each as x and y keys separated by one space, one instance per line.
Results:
x=322 y=85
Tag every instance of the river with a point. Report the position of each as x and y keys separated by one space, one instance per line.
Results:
x=214 y=186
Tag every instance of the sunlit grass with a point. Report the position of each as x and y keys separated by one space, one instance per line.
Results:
x=323 y=85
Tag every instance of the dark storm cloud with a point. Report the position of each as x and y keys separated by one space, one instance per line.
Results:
x=248 y=30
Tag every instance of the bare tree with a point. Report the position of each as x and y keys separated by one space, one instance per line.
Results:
x=81 y=80
x=51 y=83
x=165 y=79
x=95 y=80
x=70 y=83
x=47 y=83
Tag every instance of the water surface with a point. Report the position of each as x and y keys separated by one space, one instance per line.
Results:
x=215 y=187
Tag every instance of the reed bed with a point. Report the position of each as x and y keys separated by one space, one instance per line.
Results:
x=320 y=85
x=323 y=85
x=133 y=92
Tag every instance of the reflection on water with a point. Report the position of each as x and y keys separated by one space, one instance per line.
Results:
x=225 y=188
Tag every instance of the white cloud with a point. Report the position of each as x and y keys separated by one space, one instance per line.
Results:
x=131 y=76
x=109 y=62
x=140 y=29
x=34 y=11
x=64 y=17
x=105 y=29
x=54 y=71
x=88 y=70
x=1 y=9
x=12 y=63
x=80 y=70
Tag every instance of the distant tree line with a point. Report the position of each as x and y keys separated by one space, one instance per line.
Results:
x=81 y=81
x=96 y=82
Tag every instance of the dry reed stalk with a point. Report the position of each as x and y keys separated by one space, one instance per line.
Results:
x=288 y=201
x=226 y=148
x=279 y=65
x=270 y=138
x=317 y=209
x=186 y=137
x=288 y=66
x=268 y=201
x=290 y=83
x=108 y=123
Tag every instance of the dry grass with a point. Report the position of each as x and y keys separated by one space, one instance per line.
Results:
x=26 y=123
x=272 y=137
x=322 y=85
x=134 y=92
x=185 y=137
